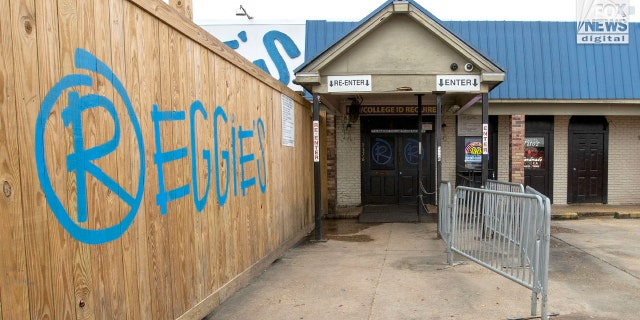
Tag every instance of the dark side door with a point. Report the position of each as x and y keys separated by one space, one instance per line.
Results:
x=538 y=154
x=587 y=160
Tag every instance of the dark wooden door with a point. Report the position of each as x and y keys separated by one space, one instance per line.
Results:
x=380 y=170
x=587 y=167
x=536 y=159
x=538 y=154
x=408 y=161
x=390 y=168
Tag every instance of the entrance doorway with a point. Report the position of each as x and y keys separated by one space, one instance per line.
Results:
x=588 y=144
x=538 y=154
x=390 y=160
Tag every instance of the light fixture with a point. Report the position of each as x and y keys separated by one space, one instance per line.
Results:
x=241 y=12
x=353 y=110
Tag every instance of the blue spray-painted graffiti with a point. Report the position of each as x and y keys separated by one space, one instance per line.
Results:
x=270 y=39
x=381 y=152
x=411 y=154
x=82 y=160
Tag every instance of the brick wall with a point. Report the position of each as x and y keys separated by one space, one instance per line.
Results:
x=348 y=163
x=332 y=191
x=624 y=162
x=448 y=149
x=560 y=158
x=516 y=154
x=504 y=143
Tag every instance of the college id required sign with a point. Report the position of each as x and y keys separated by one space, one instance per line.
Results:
x=602 y=21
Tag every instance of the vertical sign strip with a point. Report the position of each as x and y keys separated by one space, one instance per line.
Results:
x=316 y=141
x=485 y=138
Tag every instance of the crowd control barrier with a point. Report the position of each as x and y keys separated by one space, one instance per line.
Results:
x=506 y=232
x=504 y=186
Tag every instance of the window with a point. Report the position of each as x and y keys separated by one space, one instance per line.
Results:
x=473 y=152
x=534 y=153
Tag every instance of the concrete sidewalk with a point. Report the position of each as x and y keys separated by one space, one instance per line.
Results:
x=399 y=271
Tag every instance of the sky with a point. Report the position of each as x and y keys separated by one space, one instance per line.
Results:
x=355 y=10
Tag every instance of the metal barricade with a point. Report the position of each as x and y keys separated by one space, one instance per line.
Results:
x=504 y=186
x=444 y=211
x=506 y=232
x=543 y=268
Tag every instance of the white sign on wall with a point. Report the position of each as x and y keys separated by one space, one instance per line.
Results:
x=458 y=83
x=485 y=138
x=288 y=121
x=359 y=83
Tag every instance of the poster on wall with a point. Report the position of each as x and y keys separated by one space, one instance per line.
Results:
x=288 y=122
x=534 y=152
x=473 y=153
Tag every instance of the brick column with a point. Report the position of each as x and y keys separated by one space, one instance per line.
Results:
x=332 y=178
x=516 y=153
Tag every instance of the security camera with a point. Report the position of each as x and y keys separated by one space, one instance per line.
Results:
x=454 y=66
x=468 y=67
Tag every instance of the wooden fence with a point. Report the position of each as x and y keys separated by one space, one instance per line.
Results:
x=142 y=163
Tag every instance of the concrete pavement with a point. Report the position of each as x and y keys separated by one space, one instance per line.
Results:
x=399 y=271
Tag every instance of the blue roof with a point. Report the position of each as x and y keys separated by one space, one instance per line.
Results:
x=541 y=59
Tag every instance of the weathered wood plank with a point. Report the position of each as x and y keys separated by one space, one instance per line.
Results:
x=104 y=206
x=61 y=244
x=129 y=168
x=36 y=218
x=14 y=292
x=197 y=77
x=202 y=169
x=81 y=262
x=184 y=7
x=159 y=241
x=149 y=88
x=180 y=209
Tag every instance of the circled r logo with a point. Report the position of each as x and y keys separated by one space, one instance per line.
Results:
x=411 y=151
x=81 y=161
x=381 y=152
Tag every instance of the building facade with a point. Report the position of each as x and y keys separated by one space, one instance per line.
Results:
x=546 y=111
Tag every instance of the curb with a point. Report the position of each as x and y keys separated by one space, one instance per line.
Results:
x=627 y=215
x=565 y=216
